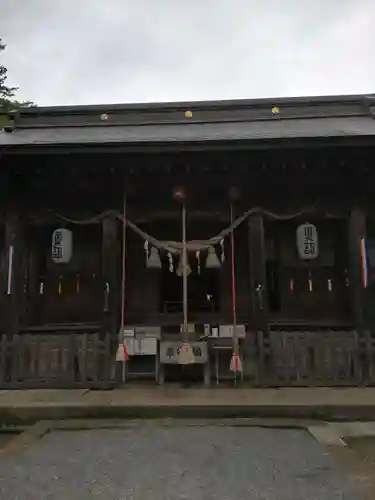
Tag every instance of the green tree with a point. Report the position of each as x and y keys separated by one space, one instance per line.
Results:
x=8 y=103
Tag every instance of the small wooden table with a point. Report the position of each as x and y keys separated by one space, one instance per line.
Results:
x=141 y=347
x=217 y=345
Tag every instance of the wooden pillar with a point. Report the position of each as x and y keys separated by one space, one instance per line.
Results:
x=33 y=295
x=341 y=252
x=226 y=314
x=14 y=274
x=356 y=230
x=258 y=334
x=111 y=277
x=258 y=294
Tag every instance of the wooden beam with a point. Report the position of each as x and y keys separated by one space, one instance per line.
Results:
x=181 y=147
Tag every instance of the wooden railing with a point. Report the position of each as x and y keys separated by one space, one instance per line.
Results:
x=311 y=358
x=285 y=358
x=59 y=360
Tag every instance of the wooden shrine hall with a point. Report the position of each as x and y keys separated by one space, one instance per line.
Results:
x=201 y=241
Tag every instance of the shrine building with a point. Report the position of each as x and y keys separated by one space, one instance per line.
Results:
x=271 y=201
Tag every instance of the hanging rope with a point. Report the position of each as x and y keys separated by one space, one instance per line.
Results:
x=123 y=267
x=234 y=297
x=235 y=363
x=186 y=355
x=83 y=222
x=175 y=247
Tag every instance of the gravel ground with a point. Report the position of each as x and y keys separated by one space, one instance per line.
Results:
x=364 y=447
x=194 y=463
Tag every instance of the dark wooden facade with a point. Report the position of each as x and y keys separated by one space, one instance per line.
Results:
x=61 y=167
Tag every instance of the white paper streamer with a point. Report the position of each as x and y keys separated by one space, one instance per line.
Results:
x=222 y=251
x=170 y=259
x=145 y=246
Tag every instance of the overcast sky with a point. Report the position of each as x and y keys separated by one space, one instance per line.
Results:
x=107 y=51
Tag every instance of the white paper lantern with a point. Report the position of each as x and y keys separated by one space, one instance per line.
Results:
x=62 y=246
x=307 y=242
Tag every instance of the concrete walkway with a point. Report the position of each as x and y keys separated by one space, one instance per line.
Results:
x=174 y=401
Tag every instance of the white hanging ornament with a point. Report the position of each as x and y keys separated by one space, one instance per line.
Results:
x=212 y=261
x=180 y=267
x=145 y=246
x=222 y=251
x=154 y=261
x=170 y=260
x=197 y=255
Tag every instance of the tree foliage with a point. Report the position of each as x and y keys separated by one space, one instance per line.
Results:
x=8 y=102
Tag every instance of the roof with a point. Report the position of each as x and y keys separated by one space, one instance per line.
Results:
x=195 y=122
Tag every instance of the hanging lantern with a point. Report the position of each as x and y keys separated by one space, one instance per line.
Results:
x=154 y=261
x=62 y=246
x=307 y=242
x=212 y=261
x=179 y=270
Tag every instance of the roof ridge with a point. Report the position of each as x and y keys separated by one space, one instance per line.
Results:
x=202 y=104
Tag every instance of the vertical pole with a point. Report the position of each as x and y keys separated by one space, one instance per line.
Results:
x=186 y=355
x=123 y=267
x=235 y=363
x=123 y=278
x=184 y=274
x=10 y=270
x=234 y=297
x=356 y=232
